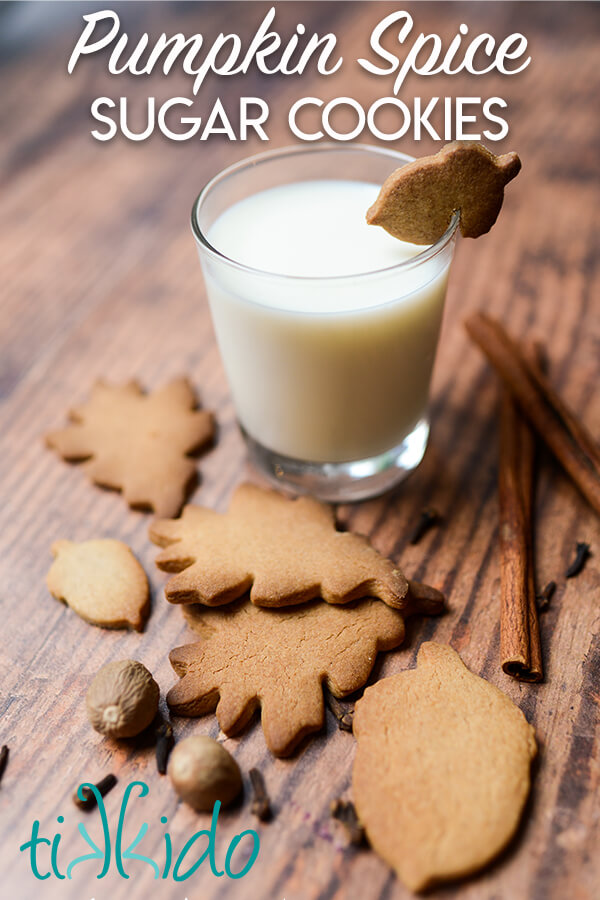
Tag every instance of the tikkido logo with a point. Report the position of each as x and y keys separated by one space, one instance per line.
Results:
x=244 y=846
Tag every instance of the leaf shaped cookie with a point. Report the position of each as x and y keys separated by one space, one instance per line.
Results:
x=138 y=442
x=417 y=201
x=286 y=551
x=442 y=770
x=278 y=660
x=101 y=581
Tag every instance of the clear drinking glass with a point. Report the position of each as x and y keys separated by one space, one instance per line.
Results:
x=331 y=403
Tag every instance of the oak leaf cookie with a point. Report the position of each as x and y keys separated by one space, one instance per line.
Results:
x=284 y=551
x=102 y=581
x=442 y=769
x=278 y=660
x=138 y=442
x=416 y=202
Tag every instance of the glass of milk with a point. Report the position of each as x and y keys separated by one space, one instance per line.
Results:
x=327 y=326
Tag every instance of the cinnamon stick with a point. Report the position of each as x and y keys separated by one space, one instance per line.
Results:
x=520 y=648
x=556 y=424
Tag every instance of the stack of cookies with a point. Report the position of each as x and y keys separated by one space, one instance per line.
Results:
x=271 y=586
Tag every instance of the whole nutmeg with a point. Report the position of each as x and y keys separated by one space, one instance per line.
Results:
x=203 y=771
x=122 y=699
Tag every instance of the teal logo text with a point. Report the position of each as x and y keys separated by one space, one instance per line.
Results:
x=198 y=849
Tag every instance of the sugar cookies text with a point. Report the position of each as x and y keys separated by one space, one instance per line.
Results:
x=397 y=53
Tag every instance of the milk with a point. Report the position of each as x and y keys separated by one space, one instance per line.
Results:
x=313 y=229
x=327 y=342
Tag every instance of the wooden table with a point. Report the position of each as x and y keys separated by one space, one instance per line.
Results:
x=100 y=278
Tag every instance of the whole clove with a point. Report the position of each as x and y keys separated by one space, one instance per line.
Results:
x=260 y=805
x=4 y=753
x=428 y=518
x=87 y=802
x=423 y=599
x=164 y=744
x=582 y=552
x=545 y=596
x=345 y=812
x=343 y=714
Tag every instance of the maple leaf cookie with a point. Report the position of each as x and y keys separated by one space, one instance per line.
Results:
x=138 y=443
x=278 y=660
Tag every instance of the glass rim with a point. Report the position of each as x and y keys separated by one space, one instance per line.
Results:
x=425 y=255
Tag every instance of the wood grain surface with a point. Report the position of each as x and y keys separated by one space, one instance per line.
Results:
x=100 y=278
